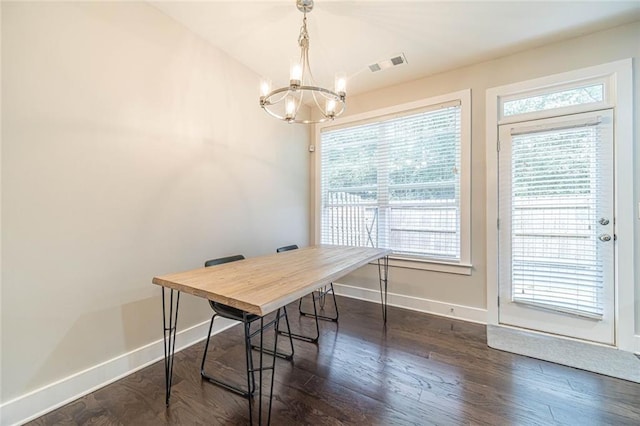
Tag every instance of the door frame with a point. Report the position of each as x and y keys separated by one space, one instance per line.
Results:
x=618 y=79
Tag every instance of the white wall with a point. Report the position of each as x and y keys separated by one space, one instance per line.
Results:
x=439 y=291
x=130 y=148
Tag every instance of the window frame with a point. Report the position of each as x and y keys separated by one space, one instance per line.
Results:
x=462 y=97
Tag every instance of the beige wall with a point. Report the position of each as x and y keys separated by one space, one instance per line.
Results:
x=614 y=44
x=130 y=148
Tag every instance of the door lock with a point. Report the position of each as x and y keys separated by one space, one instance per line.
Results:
x=604 y=221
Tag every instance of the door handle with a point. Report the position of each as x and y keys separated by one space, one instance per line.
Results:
x=605 y=237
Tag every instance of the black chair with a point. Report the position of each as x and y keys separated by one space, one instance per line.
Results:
x=320 y=295
x=247 y=319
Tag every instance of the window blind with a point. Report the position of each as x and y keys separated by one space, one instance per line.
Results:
x=395 y=183
x=555 y=257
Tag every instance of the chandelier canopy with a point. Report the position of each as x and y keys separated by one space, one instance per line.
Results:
x=284 y=103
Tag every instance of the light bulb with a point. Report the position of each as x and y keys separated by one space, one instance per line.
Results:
x=290 y=108
x=331 y=108
x=265 y=87
x=295 y=74
x=341 y=83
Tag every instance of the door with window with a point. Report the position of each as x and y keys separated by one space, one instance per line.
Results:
x=556 y=224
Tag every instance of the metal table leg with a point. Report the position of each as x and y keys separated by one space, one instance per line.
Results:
x=383 y=275
x=287 y=333
x=262 y=368
x=169 y=336
x=322 y=295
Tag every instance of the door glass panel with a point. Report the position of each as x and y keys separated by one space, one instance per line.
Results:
x=555 y=259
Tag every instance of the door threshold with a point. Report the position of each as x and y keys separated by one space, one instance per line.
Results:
x=588 y=356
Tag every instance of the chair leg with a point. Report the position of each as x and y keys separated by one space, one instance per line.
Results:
x=233 y=388
x=302 y=337
x=323 y=294
x=278 y=354
x=322 y=297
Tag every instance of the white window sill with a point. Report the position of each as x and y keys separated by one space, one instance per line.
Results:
x=430 y=265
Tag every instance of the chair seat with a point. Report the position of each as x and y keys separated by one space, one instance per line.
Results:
x=230 y=312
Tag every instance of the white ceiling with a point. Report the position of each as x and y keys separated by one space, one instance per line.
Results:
x=435 y=36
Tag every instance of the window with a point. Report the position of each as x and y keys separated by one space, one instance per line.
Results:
x=399 y=180
x=564 y=98
x=589 y=94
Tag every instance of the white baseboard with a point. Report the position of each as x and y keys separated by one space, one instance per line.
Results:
x=637 y=340
x=450 y=310
x=593 y=357
x=40 y=401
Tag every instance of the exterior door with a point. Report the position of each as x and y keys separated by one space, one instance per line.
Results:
x=556 y=224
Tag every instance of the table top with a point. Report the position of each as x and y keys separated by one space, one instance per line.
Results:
x=261 y=285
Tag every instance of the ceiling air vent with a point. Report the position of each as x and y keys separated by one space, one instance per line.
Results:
x=388 y=63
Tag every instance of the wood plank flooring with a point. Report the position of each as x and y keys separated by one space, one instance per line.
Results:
x=420 y=370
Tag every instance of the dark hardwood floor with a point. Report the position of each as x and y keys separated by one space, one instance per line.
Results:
x=421 y=370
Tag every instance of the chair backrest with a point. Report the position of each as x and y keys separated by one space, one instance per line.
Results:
x=286 y=248
x=222 y=260
x=219 y=308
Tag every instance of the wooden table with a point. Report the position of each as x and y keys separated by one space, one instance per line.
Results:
x=265 y=284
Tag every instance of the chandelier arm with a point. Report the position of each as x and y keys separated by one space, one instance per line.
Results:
x=322 y=90
x=312 y=80
x=268 y=99
x=273 y=114
x=331 y=94
x=297 y=120
x=299 y=103
x=303 y=66
x=327 y=94
x=315 y=100
x=283 y=90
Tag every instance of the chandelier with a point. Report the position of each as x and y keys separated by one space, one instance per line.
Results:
x=284 y=103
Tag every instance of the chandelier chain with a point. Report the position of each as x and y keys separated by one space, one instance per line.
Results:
x=303 y=38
